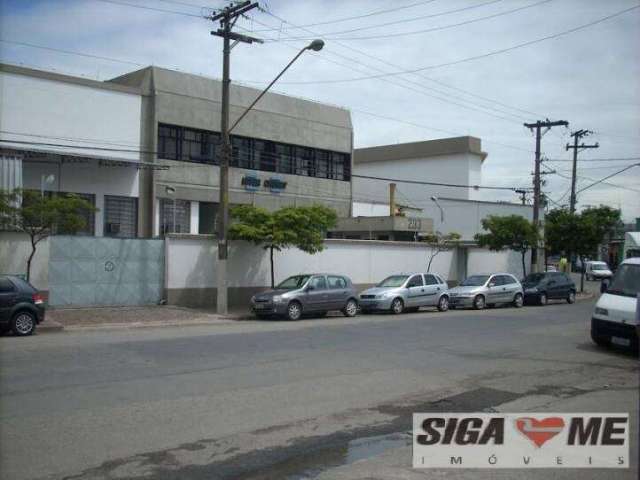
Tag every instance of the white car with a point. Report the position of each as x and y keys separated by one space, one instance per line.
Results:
x=615 y=319
x=597 y=270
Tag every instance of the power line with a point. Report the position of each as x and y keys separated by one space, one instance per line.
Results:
x=354 y=17
x=610 y=159
x=438 y=184
x=418 y=75
x=428 y=30
x=145 y=7
x=475 y=57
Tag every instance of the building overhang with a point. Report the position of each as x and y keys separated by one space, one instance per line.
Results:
x=384 y=224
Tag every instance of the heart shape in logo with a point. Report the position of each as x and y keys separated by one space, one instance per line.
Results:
x=539 y=431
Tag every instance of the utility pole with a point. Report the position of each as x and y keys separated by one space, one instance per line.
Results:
x=523 y=195
x=536 y=179
x=227 y=17
x=575 y=147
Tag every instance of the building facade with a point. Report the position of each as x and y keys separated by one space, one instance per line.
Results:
x=67 y=134
x=286 y=151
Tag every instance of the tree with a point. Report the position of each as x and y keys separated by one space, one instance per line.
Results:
x=513 y=232
x=39 y=216
x=440 y=242
x=300 y=227
x=579 y=233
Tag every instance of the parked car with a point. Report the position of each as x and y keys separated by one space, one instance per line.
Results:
x=316 y=293
x=406 y=292
x=541 y=287
x=597 y=270
x=616 y=315
x=21 y=306
x=479 y=291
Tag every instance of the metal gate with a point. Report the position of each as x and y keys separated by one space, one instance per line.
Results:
x=105 y=271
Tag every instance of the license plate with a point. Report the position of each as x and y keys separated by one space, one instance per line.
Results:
x=623 y=342
x=259 y=306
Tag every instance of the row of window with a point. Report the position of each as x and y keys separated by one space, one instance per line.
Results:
x=190 y=145
x=175 y=216
x=120 y=216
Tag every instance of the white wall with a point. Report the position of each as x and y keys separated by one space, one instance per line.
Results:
x=191 y=262
x=484 y=261
x=86 y=177
x=45 y=108
x=463 y=169
x=15 y=248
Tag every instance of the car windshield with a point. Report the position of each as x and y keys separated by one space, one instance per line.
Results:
x=534 y=278
x=598 y=266
x=393 y=281
x=626 y=281
x=475 y=281
x=293 y=283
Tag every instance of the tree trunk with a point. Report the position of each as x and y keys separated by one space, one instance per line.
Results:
x=273 y=281
x=433 y=255
x=524 y=264
x=582 y=275
x=33 y=252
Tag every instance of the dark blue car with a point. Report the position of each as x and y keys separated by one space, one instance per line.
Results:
x=21 y=306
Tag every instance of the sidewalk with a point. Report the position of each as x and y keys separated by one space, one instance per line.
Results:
x=139 y=316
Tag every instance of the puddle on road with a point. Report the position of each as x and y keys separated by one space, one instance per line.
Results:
x=311 y=464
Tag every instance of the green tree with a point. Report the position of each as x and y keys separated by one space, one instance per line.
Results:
x=579 y=233
x=439 y=242
x=300 y=227
x=39 y=216
x=513 y=232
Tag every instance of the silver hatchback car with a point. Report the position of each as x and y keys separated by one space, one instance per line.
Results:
x=315 y=293
x=406 y=292
x=479 y=291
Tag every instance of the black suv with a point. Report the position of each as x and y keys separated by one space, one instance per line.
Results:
x=21 y=306
x=541 y=287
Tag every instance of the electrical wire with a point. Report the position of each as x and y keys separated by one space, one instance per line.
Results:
x=328 y=36
x=471 y=58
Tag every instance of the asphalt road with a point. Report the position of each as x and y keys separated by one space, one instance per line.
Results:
x=291 y=400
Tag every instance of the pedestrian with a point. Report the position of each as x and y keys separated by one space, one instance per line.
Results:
x=563 y=263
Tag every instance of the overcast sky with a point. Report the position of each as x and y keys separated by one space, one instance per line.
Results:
x=589 y=77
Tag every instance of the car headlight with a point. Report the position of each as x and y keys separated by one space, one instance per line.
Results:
x=602 y=311
x=532 y=290
x=386 y=295
x=278 y=299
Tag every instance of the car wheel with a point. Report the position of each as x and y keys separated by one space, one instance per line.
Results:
x=397 y=306
x=543 y=299
x=294 y=311
x=351 y=308
x=443 y=303
x=23 y=324
x=479 y=302
x=518 y=300
x=571 y=298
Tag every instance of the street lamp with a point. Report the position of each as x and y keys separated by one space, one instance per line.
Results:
x=316 y=46
x=172 y=193
x=435 y=200
x=46 y=179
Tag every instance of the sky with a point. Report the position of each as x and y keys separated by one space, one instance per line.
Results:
x=469 y=72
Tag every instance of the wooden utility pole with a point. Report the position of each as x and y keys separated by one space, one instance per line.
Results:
x=536 y=179
x=227 y=18
x=575 y=147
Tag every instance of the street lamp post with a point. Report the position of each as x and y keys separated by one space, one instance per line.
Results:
x=223 y=223
x=434 y=199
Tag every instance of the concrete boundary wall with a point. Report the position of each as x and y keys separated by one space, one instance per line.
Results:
x=191 y=265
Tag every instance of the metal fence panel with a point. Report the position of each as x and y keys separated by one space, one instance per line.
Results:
x=105 y=271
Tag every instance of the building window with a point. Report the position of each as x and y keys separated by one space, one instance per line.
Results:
x=207 y=219
x=192 y=145
x=175 y=216
x=168 y=142
x=120 y=216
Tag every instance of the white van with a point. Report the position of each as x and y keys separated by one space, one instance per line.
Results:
x=616 y=315
x=597 y=270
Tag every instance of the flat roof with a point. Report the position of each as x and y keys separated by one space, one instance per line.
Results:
x=63 y=78
x=424 y=149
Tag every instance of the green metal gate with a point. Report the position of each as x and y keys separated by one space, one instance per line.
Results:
x=105 y=271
